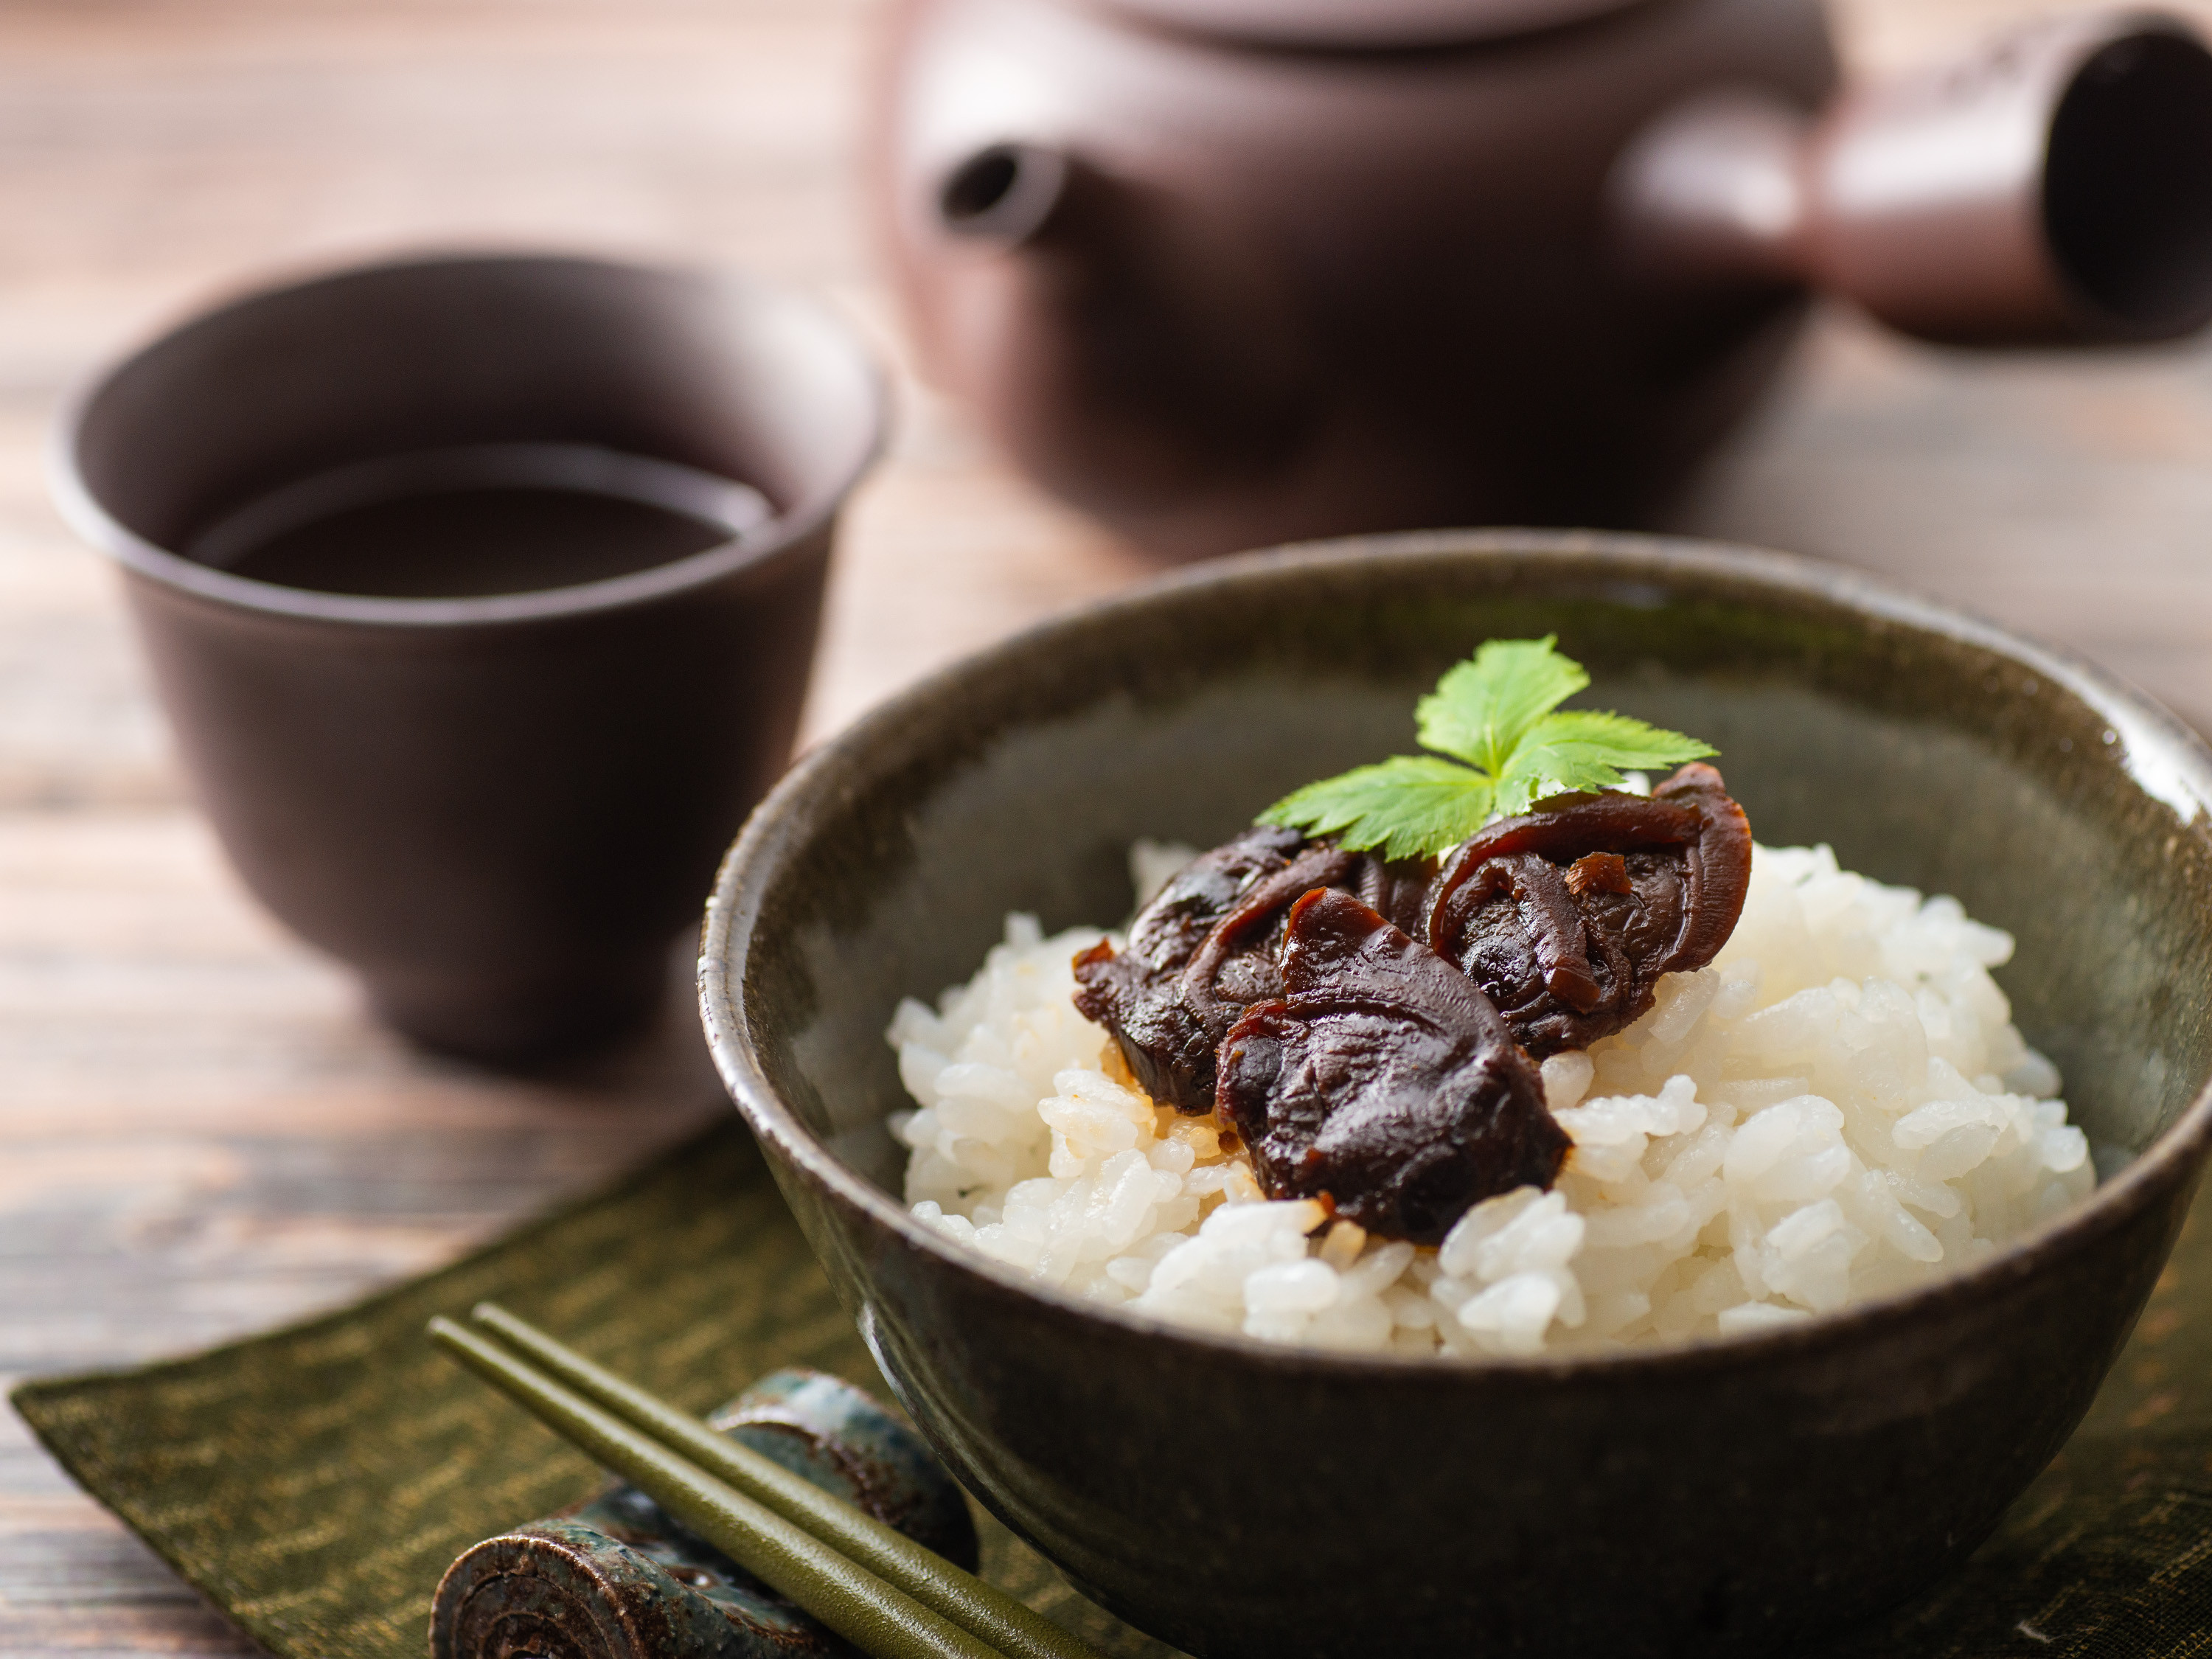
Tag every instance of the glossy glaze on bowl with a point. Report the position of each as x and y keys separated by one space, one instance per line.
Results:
x=1713 y=1498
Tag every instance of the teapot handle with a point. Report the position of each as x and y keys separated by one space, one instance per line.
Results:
x=2055 y=186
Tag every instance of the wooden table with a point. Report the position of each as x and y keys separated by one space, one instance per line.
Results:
x=200 y=1133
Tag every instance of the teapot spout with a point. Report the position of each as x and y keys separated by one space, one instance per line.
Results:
x=1004 y=194
x=2055 y=187
x=1130 y=353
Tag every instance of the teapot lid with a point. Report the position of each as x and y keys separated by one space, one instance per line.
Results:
x=1368 y=23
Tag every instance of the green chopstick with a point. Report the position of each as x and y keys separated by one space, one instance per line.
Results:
x=878 y=1618
x=989 y=1612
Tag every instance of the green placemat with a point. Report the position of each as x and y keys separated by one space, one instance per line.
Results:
x=314 y=1483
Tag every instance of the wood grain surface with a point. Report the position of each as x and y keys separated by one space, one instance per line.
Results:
x=200 y=1133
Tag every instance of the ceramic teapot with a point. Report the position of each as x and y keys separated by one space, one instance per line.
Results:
x=1231 y=272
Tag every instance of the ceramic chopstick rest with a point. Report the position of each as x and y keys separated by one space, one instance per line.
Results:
x=616 y=1577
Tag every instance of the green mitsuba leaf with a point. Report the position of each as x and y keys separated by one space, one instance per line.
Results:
x=1582 y=749
x=1407 y=806
x=1498 y=713
x=1482 y=709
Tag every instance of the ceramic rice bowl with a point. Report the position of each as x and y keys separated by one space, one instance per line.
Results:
x=1718 y=1496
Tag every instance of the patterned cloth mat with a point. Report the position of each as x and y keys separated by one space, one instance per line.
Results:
x=314 y=1483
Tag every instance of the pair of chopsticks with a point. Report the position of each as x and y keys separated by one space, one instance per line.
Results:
x=888 y=1595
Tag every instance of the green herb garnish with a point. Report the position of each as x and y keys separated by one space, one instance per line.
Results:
x=1497 y=716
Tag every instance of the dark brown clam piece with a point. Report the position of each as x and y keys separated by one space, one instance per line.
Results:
x=1383 y=1079
x=1568 y=916
x=1202 y=950
x=1205 y=949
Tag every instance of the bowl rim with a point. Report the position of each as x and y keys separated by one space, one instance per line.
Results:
x=2180 y=777
x=85 y=512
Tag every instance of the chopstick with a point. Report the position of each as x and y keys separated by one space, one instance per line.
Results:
x=981 y=1608
x=812 y=1543
x=875 y=1617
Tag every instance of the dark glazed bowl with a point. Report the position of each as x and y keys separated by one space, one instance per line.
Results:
x=1720 y=1497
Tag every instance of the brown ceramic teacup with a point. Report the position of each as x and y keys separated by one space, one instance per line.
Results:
x=480 y=593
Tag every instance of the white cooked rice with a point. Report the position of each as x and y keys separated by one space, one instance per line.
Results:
x=1837 y=1108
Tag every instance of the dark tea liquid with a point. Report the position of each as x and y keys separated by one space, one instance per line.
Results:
x=473 y=522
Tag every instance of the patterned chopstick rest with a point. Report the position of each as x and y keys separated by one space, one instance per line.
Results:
x=616 y=1577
